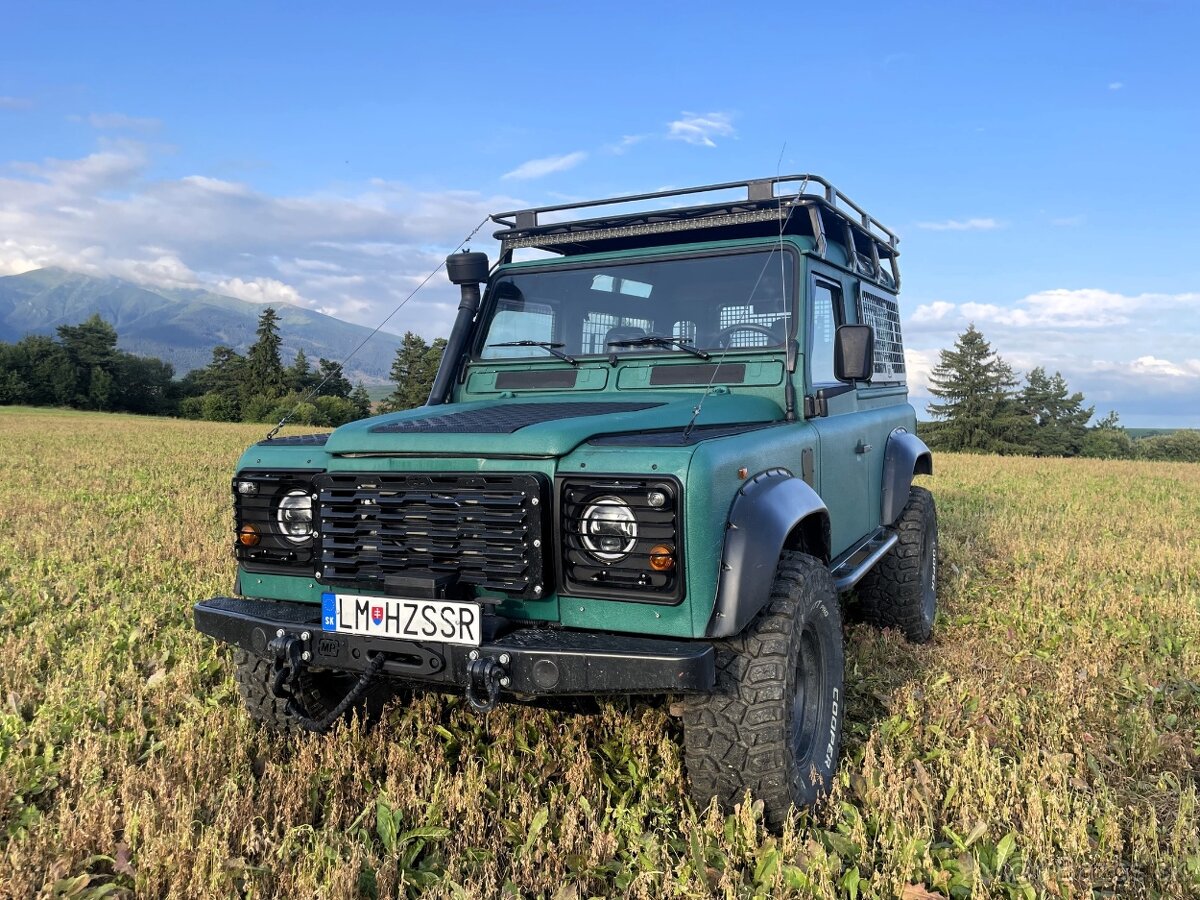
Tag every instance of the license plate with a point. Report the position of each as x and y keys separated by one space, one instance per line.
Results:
x=438 y=621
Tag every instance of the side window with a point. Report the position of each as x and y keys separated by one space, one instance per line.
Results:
x=882 y=312
x=826 y=306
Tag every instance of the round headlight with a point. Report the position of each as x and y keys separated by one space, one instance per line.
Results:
x=608 y=529
x=294 y=516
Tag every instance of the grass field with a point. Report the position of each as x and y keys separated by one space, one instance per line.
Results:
x=1045 y=744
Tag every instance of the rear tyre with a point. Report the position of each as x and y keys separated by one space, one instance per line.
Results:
x=320 y=692
x=901 y=591
x=773 y=725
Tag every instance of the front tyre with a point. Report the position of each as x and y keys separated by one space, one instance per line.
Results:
x=773 y=725
x=319 y=694
x=901 y=591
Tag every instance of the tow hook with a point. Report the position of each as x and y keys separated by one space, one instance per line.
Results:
x=485 y=677
x=290 y=657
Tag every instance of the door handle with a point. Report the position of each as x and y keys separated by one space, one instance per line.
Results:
x=862 y=448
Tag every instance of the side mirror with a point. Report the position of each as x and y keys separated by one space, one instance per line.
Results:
x=854 y=353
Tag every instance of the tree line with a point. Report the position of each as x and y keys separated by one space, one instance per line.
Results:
x=82 y=368
x=983 y=407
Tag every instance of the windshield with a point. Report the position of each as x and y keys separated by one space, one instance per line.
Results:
x=734 y=301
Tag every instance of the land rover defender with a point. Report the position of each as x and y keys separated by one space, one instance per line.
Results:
x=667 y=432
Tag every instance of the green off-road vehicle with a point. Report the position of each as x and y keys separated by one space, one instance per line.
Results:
x=661 y=442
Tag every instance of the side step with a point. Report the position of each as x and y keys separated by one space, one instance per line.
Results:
x=849 y=568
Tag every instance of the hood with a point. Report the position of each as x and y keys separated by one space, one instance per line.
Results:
x=542 y=427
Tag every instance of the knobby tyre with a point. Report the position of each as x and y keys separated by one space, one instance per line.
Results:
x=773 y=725
x=901 y=591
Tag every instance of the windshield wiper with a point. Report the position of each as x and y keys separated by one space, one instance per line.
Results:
x=657 y=340
x=550 y=347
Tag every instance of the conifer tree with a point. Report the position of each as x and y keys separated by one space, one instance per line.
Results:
x=1057 y=422
x=329 y=374
x=361 y=400
x=410 y=372
x=263 y=365
x=978 y=410
x=299 y=374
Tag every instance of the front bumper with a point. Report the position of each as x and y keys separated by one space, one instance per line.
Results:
x=541 y=661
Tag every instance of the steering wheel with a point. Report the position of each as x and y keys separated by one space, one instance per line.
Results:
x=725 y=334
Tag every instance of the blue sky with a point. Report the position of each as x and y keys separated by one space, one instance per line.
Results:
x=1040 y=164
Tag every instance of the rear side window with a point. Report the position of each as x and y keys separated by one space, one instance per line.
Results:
x=882 y=312
x=826 y=302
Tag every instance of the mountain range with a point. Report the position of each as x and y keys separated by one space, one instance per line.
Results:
x=181 y=326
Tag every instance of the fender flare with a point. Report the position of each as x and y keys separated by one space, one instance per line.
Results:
x=771 y=512
x=906 y=455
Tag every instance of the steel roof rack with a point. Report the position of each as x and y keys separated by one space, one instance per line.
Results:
x=831 y=215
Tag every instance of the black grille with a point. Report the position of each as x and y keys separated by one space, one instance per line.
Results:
x=484 y=529
x=505 y=418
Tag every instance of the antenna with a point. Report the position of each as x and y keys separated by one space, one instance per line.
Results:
x=789 y=388
x=315 y=391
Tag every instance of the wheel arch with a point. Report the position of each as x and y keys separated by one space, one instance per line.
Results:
x=905 y=457
x=773 y=511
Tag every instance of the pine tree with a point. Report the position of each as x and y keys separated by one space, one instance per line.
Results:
x=361 y=400
x=978 y=412
x=1057 y=423
x=263 y=365
x=329 y=374
x=410 y=373
x=299 y=375
x=91 y=345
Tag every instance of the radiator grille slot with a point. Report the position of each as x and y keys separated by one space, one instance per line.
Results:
x=482 y=528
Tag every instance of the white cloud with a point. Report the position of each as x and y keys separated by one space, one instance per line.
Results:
x=623 y=145
x=700 y=129
x=980 y=224
x=1153 y=366
x=1115 y=85
x=1136 y=353
x=1083 y=308
x=261 y=290
x=353 y=253
x=918 y=364
x=933 y=312
x=15 y=103
x=537 y=168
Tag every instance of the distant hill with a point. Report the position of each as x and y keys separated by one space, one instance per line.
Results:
x=181 y=326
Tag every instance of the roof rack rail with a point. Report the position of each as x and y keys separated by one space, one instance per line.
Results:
x=870 y=245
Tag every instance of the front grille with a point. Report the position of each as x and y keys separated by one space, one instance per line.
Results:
x=485 y=529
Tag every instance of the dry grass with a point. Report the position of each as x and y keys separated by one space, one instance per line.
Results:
x=1044 y=745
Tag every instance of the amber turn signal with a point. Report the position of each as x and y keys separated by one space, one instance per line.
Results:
x=662 y=558
x=248 y=536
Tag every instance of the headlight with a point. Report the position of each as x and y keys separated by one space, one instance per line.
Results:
x=294 y=516
x=609 y=529
x=621 y=537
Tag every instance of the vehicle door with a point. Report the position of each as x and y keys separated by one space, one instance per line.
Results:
x=842 y=473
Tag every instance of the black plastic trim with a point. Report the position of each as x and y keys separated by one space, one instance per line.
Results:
x=541 y=661
x=698 y=373
x=765 y=511
x=536 y=379
x=905 y=456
